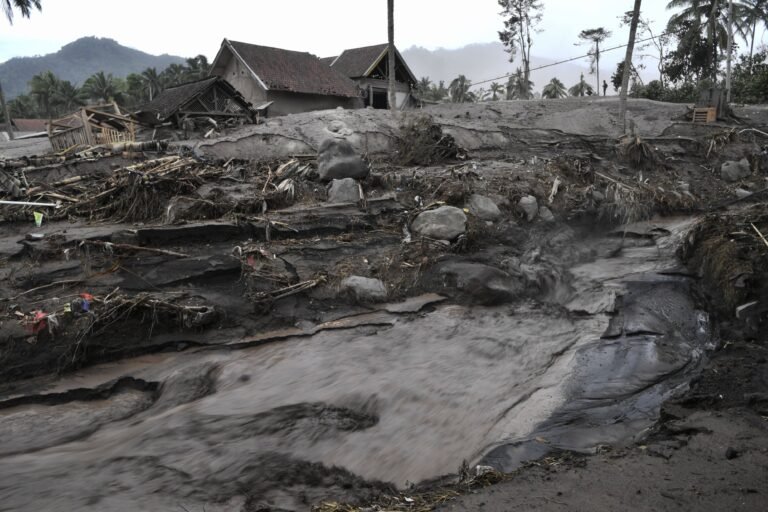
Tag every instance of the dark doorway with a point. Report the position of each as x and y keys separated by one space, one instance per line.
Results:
x=379 y=99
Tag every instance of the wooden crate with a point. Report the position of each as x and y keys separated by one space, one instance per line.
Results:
x=705 y=115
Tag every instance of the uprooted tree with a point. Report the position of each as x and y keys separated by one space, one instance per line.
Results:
x=521 y=18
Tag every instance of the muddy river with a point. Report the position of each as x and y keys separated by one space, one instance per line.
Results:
x=400 y=398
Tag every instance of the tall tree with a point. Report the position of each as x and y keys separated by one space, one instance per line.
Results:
x=628 y=66
x=459 y=89
x=521 y=18
x=496 y=90
x=656 y=42
x=101 y=87
x=582 y=88
x=391 y=53
x=152 y=82
x=24 y=6
x=67 y=96
x=595 y=36
x=42 y=87
x=554 y=90
x=197 y=67
x=755 y=14
x=518 y=88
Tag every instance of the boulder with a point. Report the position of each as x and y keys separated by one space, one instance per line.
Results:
x=529 y=206
x=364 y=289
x=475 y=282
x=483 y=207
x=546 y=214
x=337 y=159
x=346 y=190
x=734 y=171
x=444 y=223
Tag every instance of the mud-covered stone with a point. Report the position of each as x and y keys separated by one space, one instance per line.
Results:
x=346 y=190
x=337 y=159
x=478 y=283
x=364 y=289
x=529 y=206
x=483 y=207
x=444 y=223
x=546 y=214
x=735 y=171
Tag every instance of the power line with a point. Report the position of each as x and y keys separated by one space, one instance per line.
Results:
x=570 y=60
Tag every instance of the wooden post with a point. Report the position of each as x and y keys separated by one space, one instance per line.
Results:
x=7 y=114
x=391 y=48
x=730 y=54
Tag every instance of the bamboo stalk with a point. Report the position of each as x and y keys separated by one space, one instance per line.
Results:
x=759 y=233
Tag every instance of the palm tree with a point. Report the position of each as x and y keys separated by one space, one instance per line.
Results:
x=173 y=75
x=102 y=87
x=595 y=36
x=581 y=89
x=496 y=90
x=42 y=87
x=518 y=88
x=197 y=67
x=459 y=89
x=438 y=92
x=68 y=96
x=23 y=106
x=754 y=14
x=25 y=6
x=152 y=82
x=554 y=90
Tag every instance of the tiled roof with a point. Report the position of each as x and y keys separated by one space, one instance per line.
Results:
x=327 y=60
x=286 y=70
x=355 y=62
x=30 y=125
x=171 y=99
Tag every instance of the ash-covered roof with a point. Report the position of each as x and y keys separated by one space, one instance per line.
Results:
x=355 y=62
x=173 y=98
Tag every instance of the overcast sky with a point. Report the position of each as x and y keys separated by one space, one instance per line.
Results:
x=322 y=27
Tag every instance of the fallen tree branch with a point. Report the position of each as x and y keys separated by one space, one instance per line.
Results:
x=759 y=233
x=129 y=247
x=43 y=287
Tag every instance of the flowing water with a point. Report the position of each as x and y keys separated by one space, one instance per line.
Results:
x=400 y=399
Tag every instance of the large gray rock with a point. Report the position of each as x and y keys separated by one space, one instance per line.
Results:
x=546 y=214
x=483 y=207
x=478 y=283
x=344 y=191
x=337 y=159
x=529 y=206
x=444 y=223
x=364 y=289
x=734 y=171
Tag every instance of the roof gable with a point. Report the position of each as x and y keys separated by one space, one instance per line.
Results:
x=285 y=70
x=361 y=62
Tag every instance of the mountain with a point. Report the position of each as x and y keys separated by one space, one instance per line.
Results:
x=484 y=61
x=79 y=60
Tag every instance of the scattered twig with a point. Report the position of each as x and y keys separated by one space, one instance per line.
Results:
x=759 y=233
x=43 y=287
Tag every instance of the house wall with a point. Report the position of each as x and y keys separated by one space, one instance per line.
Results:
x=294 y=103
x=402 y=89
x=241 y=79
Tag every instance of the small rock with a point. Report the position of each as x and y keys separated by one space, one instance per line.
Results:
x=481 y=284
x=734 y=171
x=731 y=453
x=337 y=159
x=546 y=214
x=444 y=223
x=483 y=207
x=598 y=196
x=346 y=190
x=742 y=193
x=364 y=289
x=529 y=206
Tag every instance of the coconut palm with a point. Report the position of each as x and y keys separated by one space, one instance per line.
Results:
x=518 y=88
x=173 y=75
x=581 y=89
x=152 y=82
x=459 y=89
x=554 y=90
x=23 y=106
x=25 y=6
x=101 y=87
x=754 y=14
x=42 y=87
x=595 y=36
x=197 y=67
x=67 y=96
x=496 y=90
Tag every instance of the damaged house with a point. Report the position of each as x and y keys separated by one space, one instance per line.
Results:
x=211 y=101
x=287 y=81
x=368 y=67
x=92 y=125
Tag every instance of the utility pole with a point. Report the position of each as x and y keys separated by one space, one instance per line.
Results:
x=730 y=53
x=628 y=67
x=7 y=114
x=391 y=48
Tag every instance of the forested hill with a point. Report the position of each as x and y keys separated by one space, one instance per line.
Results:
x=79 y=60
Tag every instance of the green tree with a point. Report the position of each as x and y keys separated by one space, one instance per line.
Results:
x=595 y=36
x=67 y=97
x=101 y=87
x=42 y=87
x=554 y=90
x=582 y=88
x=24 y=6
x=496 y=90
x=518 y=88
x=197 y=67
x=153 y=84
x=459 y=89
x=754 y=15
x=173 y=75
x=521 y=18
x=438 y=92
x=23 y=106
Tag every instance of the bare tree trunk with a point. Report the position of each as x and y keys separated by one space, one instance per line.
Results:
x=628 y=66
x=712 y=40
x=752 y=46
x=730 y=53
x=597 y=65
x=391 y=32
x=7 y=114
